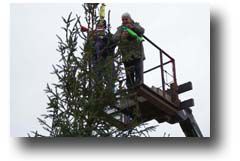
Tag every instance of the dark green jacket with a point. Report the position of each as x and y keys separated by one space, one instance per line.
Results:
x=129 y=47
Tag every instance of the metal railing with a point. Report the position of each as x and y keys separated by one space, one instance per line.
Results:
x=170 y=60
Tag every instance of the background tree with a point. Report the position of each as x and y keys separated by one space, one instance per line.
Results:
x=79 y=104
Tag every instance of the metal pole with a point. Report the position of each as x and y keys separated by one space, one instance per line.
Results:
x=156 y=67
x=174 y=72
x=162 y=74
x=146 y=38
x=175 y=86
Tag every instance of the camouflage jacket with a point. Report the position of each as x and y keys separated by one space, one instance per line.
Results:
x=128 y=46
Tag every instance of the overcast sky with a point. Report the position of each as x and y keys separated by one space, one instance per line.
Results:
x=182 y=30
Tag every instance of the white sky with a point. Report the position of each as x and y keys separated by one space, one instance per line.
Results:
x=182 y=30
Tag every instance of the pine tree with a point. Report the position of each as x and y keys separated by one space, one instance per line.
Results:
x=79 y=103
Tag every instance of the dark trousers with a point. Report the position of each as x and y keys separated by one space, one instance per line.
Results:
x=134 y=72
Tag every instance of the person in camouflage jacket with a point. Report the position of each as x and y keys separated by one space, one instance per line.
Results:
x=131 y=50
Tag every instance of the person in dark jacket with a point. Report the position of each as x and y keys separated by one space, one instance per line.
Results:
x=131 y=50
x=103 y=57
